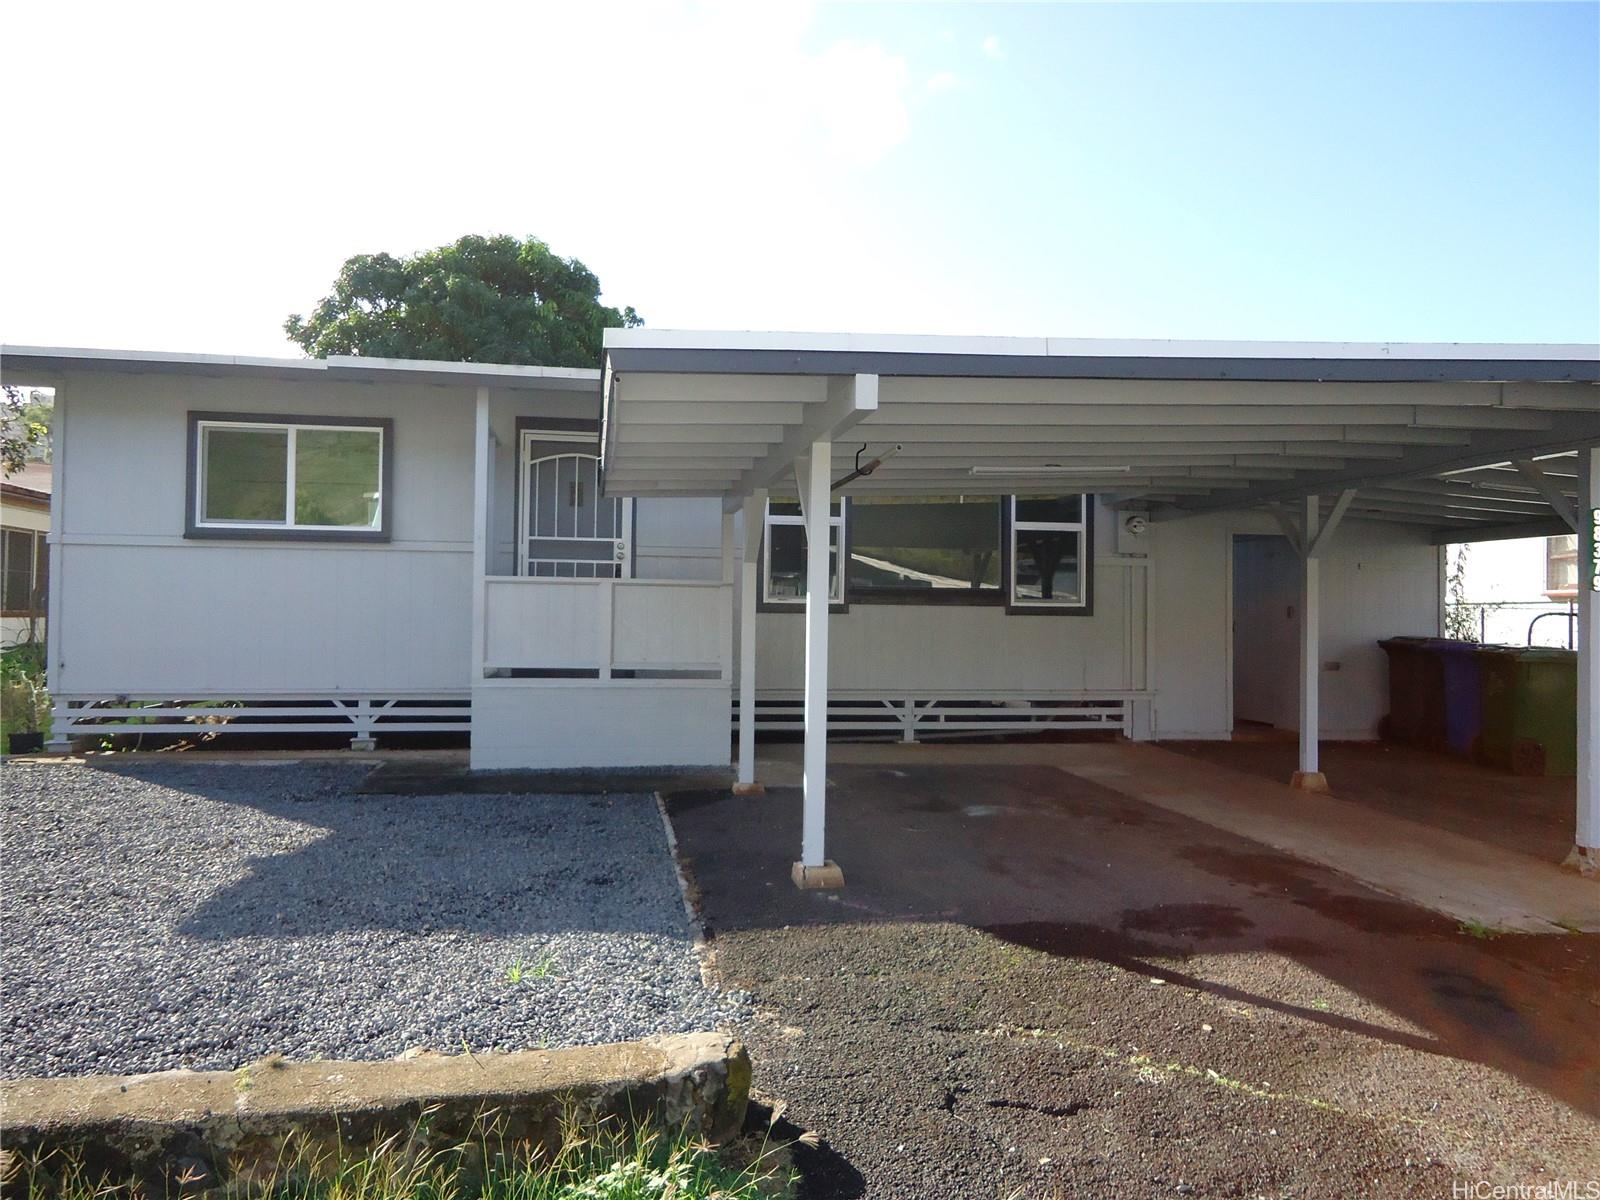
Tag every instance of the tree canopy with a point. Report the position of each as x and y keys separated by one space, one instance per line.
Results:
x=24 y=423
x=479 y=299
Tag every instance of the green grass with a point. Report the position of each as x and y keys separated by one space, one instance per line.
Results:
x=1479 y=930
x=519 y=971
x=595 y=1162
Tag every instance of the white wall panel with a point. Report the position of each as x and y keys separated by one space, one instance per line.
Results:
x=204 y=617
x=595 y=725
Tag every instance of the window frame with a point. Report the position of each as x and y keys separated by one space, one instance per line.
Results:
x=837 y=603
x=1003 y=596
x=195 y=527
x=1085 y=531
x=1551 y=557
x=38 y=556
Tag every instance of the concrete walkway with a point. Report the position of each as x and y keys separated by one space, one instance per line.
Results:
x=1441 y=871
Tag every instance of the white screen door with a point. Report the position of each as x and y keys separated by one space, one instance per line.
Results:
x=568 y=530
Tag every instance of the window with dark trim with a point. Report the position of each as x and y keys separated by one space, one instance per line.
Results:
x=924 y=549
x=324 y=478
x=24 y=572
x=1048 y=553
x=1029 y=554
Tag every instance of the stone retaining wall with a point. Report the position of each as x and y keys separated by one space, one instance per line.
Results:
x=219 y=1128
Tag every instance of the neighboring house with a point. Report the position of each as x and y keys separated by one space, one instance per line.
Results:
x=24 y=554
x=602 y=567
x=1521 y=592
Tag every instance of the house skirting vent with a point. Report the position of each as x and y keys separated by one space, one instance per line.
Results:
x=919 y=716
x=360 y=716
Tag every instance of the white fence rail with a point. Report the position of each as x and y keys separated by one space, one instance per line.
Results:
x=628 y=628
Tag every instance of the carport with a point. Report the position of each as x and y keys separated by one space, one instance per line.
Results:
x=1463 y=442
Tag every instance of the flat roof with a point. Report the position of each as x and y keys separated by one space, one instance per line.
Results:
x=52 y=360
x=751 y=352
x=1464 y=440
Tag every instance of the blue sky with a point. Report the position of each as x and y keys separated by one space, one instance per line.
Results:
x=1425 y=172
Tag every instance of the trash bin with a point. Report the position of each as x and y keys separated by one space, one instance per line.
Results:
x=1416 y=692
x=1530 y=709
x=1463 y=694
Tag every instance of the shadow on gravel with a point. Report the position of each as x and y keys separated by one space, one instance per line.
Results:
x=330 y=859
x=1064 y=866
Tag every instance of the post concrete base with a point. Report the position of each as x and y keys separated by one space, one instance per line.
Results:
x=1585 y=860
x=63 y=746
x=828 y=875
x=1309 y=781
x=364 y=743
x=750 y=789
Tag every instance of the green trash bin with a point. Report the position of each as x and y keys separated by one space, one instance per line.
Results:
x=1530 y=710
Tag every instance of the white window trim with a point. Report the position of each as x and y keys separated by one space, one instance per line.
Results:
x=1080 y=527
x=835 y=548
x=203 y=468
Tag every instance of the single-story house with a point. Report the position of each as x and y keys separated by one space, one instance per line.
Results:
x=24 y=553
x=613 y=567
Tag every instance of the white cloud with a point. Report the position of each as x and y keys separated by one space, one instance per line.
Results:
x=861 y=100
x=991 y=48
x=944 y=81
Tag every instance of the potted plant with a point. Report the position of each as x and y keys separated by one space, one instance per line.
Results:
x=24 y=702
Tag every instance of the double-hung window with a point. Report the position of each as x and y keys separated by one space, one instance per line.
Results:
x=24 y=570
x=1049 y=553
x=294 y=477
x=783 y=555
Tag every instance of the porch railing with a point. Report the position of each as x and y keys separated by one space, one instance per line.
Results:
x=607 y=628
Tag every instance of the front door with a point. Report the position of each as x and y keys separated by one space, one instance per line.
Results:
x=567 y=529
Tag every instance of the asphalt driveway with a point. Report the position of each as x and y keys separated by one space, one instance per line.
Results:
x=1035 y=985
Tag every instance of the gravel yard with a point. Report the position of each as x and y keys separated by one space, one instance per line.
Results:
x=201 y=916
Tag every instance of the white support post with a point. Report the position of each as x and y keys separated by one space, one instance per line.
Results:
x=816 y=487
x=1585 y=854
x=1310 y=777
x=60 y=740
x=481 y=466
x=754 y=516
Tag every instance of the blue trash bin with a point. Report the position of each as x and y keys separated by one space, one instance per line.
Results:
x=1463 y=694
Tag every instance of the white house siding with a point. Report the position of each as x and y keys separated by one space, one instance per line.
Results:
x=144 y=610
x=1378 y=580
x=1171 y=635
x=677 y=538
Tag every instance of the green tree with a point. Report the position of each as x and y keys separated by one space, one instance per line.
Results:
x=479 y=299
x=24 y=425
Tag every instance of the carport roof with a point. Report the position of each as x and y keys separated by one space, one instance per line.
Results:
x=1424 y=434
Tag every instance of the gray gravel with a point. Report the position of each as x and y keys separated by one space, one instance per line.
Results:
x=205 y=915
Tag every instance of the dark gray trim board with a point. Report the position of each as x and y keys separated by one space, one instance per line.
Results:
x=218 y=533
x=1050 y=366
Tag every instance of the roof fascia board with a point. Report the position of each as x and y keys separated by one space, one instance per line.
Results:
x=1568 y=365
